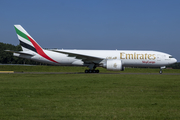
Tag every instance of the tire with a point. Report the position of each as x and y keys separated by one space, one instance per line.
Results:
x=86 y=71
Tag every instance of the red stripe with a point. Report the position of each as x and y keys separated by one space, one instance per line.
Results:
x=40 y=50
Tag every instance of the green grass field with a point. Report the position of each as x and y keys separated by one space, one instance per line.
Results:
x=88 y=96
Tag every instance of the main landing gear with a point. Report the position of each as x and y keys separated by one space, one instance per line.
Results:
x=91 y=71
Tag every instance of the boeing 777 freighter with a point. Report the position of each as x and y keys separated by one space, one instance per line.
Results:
x=109 y=59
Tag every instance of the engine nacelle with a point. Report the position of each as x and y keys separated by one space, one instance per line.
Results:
x=113 y=65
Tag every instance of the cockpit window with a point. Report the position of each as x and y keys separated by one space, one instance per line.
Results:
x=170 y=57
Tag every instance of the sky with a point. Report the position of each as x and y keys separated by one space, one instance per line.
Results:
x=95 y=24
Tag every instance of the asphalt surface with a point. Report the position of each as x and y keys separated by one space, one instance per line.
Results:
x=94 y=73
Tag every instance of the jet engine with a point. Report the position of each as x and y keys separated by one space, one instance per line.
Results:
x=113 y=65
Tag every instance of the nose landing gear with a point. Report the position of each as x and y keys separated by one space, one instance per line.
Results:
x=161 y=68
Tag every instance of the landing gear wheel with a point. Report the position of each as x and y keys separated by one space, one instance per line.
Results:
x=86 y=71
x=91 y=71
x=160 y=72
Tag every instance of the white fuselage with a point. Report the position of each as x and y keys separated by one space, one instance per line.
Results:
x=129 y=58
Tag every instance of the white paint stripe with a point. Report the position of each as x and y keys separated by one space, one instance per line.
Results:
x=25 y=41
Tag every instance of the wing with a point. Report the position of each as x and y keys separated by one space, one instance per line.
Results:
x=83 y=57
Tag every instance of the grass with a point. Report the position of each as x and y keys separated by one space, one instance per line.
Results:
x=89 y=96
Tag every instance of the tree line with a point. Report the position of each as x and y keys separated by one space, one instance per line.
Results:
x=8 y=58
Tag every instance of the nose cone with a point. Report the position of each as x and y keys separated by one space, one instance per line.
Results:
x=174 y=60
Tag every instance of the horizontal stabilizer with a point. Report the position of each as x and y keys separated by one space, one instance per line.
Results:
x=20 y=52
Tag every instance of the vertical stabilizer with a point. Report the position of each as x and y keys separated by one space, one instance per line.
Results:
x=26 y=41
x=29 y=44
